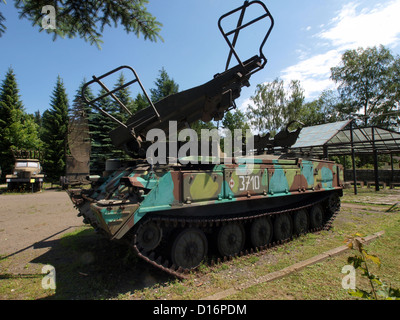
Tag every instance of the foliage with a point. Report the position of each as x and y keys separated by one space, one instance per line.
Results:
x=55 y=129
x=18 y=130
x=124 y=96
x=37 y=117
x=294 y=101
x=327 y=108
x=274 y=107
x=198 y=125
x=102 y=147
x=141 y=102
x=100 y=125
x=165 y=86
x=235 y=120
x=94 y=126
x=359 y=261
x=366 y=81
x=87 y=19
x=2 y=25
x=231 y=121
x=80 y=124
x=269 y=103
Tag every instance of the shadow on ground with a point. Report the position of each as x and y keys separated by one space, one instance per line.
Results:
x=89 y=266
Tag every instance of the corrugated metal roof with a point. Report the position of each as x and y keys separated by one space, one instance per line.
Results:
x=336 y=138
x=319 y=135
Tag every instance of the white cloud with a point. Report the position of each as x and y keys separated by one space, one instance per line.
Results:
x=243 y=106
x=380 y=25
x=313 y=72
x=352 y=27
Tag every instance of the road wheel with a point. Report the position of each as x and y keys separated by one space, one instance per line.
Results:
x=333 y=203
x=316 y=216
x=283 y=227
x=230 y=240
x=300 y=222
x=149 y=236
x=261 y=232
x=189 y=248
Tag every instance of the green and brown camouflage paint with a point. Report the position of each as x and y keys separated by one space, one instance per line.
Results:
x=177 y=187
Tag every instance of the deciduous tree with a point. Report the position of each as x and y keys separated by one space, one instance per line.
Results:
x=367 y=83
x=274 y=106
x=268 y=102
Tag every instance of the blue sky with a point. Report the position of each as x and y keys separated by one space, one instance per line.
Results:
x=308 y=38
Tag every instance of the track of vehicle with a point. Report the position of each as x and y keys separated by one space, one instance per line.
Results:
x=182 y=237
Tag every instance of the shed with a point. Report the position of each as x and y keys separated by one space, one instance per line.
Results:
x=346 y=138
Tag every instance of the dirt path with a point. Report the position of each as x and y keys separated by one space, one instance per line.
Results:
x=31 y=226
x=27 y=220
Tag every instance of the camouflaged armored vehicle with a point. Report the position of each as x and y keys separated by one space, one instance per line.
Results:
x=179 y=212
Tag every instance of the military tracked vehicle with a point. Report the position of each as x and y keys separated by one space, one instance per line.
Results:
x=180 y=211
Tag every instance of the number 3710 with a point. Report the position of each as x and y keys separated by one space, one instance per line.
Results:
x=249 y=182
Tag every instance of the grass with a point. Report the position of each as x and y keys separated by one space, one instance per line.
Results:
x=90 y=267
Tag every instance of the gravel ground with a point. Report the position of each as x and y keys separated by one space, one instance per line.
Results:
x=30 y=222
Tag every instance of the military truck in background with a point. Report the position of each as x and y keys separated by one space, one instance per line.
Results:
x=27 y=173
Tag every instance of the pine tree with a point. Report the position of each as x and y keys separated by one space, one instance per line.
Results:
x=124 y=96
x=17 y=129
x=55 y=129
x=80 y=124
x=141 y=102
x=164 y=86
x=2 y=25
x=87 y=19
x=102 y=147
x=37 y=116
x=98 y=124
